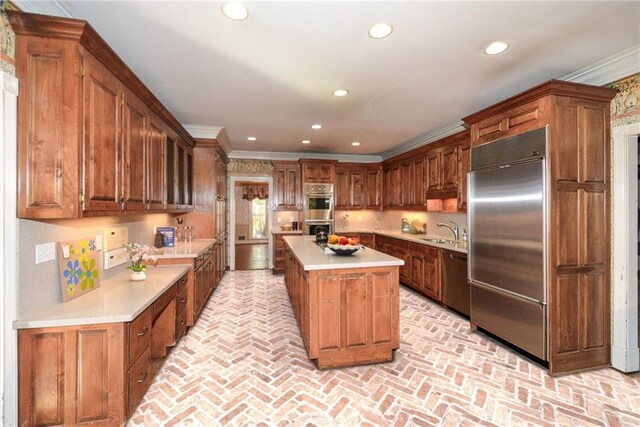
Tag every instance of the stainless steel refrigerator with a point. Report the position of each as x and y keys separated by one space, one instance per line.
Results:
x=507 y=242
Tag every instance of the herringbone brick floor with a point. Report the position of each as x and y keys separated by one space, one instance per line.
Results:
x=243 y=363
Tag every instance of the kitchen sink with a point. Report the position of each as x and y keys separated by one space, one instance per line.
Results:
x=435 y=240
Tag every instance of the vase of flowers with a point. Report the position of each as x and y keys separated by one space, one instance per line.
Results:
x=140 y=256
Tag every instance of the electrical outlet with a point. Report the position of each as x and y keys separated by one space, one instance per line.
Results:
x=45 y=252
x=98 y=242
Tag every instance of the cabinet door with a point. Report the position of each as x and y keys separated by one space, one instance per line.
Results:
x=48 y=174
x=387 y=192
x=135 y=130
x=417 y=267
x=103 y=186
x=170 y=168
x=357 y=189
x=292 y=193
x=342 y=190
x=280 y=189
x=433 y=170
x=431 y=280
x=464 y=166
x=373 y=191
x=407 y=186
x=366 y=239
x=325 y=173
x=188 y=179
x=449 y=171
x=155 y=166
x=395 y=188
x=419 y=197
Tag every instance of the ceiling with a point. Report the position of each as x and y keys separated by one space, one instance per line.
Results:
x=272 y=75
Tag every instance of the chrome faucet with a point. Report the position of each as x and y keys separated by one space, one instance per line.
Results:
x=455 y=230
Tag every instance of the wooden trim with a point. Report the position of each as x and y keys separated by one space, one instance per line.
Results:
x=458 y=138
x=551 y=87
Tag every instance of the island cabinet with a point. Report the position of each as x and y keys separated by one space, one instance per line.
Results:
x=286 y=186
x=347 y=315
x=94 y=373
x=279 y=249
x=91 y=137
x=421 y=270
x=578 y=255
x=319 y=171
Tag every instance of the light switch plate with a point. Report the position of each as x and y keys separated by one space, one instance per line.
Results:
x=45 y=252
x=98 y=242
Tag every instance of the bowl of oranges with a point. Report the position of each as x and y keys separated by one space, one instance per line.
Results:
x=343 y=245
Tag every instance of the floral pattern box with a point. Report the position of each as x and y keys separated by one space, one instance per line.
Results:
x=79 y=271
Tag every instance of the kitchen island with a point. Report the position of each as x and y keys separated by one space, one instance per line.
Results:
x=347 y=307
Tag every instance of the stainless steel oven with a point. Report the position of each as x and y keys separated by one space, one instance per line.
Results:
x=318 y=202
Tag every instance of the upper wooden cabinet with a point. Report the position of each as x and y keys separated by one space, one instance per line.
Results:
x=92 y=139
x=320 y=171
x=286 y=182
x=464 y=167
x=358 y=186
x=577 y=120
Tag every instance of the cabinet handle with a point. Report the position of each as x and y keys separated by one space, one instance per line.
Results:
x=143 y=377
x=183 y=300
x=121 y=199
x=143 y=331
x=182 y=322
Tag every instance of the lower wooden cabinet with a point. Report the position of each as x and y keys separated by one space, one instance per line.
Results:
x=421 y=270
x=96 y=374
x=279 y=251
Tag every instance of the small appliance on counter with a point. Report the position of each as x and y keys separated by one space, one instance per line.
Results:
x=404 y=225
x=322 y=235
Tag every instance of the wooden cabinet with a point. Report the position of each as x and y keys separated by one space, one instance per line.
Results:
x=90 y=134
x=93 y=374
x=422 y=264
x=279 y=252
x=287 y=187
x=320 y=171
x=464 y=167
x=358 y=186
x=442 y=172
x=578 y=290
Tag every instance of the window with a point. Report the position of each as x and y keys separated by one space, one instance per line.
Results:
x=258 y=218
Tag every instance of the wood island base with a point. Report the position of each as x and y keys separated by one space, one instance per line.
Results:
x=347 y=317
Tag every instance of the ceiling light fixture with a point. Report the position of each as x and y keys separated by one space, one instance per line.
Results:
x=340 y=92
x=496 y=48
x=235 y=11
x=380 y=30
x=251 y=138
x=306 y=141
x=316 y=127
x=355 y=143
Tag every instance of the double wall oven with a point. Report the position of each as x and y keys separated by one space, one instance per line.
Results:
x=318 y=208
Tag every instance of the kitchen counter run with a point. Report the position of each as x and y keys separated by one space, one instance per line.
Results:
x=414 y=238
x=312 y=257
x=186 y=249
x=116 y=300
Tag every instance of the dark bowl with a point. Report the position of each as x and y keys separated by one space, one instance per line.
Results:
x=344 y=250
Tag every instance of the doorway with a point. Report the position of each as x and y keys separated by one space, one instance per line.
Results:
x=625 y=299
x=250 y=224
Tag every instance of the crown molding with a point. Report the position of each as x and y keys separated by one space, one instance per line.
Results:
x=611 y=69
x=51 y=7
x=278 y=155
x=199 y=131
x=423 y=139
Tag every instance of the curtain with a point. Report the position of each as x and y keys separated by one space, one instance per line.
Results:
x=253 y=191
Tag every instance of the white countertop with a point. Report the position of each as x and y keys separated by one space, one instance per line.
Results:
x=414 y=238
x=313 y=257
x=186 y=249
x=116 y=300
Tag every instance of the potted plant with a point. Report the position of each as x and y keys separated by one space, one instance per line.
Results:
x=140 y=256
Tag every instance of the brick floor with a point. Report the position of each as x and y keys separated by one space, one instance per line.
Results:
x=243 y=363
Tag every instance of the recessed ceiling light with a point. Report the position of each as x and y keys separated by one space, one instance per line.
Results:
x=316 y=126
x=380 y=30
x=306 y=141
x=251 y=138
x=235 y=11
x=496 y=48
x=355 y=143
x=340 y=92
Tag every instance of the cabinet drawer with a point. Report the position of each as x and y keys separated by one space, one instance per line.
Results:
x=139 y=379
x=199 y=260
x=279 y=243
x=181 y=324
x=164 y=299
x=182 y=283
x=181 y=301
x=139 y=335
